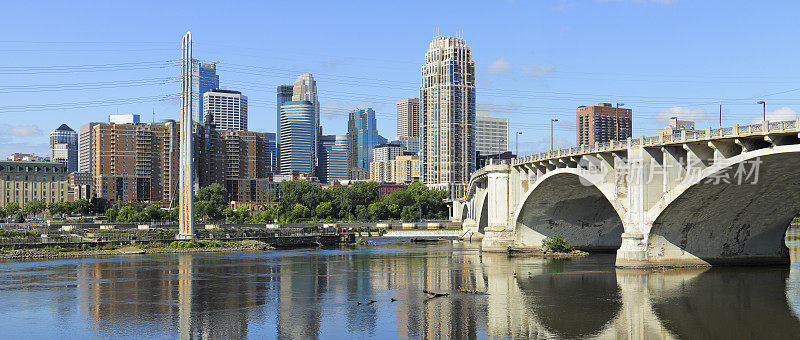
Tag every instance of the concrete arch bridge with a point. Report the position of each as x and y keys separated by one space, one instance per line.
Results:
x=698 y=198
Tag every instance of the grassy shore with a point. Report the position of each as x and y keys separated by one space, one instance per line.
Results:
x=193 y=246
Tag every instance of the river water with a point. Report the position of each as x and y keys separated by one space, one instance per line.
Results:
x=314 y=293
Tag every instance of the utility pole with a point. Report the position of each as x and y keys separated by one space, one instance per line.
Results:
x=616 y=121
x=552 y=135
x=720 y=115
x=764 y=106
x=186 y=192
x=516 y=146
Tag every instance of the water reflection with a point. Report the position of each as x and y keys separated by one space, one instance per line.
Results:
x=316 y=293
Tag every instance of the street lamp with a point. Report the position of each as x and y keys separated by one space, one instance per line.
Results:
x=517 y=142
x=616 y=120
x=764 y=106
x=551 y=132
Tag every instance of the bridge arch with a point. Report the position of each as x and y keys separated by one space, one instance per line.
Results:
x=566 y=203
x=706 y=221
x=482 y=216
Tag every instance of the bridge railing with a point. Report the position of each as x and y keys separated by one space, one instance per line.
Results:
x=685 y=136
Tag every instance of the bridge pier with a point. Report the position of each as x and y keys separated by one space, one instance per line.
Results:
x=499 y=234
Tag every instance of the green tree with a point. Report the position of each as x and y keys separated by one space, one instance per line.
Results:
x=127 y=214
x=297 y=213
x=241 y=214
x=362 y=213
x=58 y=209
x=80 y=207
x=211 y=201
x=34 y=207
x=324 y=211
x=379 y=211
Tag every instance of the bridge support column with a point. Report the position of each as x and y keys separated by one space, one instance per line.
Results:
x=499 y=234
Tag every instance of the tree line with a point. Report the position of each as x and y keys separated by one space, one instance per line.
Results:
x=299 y=201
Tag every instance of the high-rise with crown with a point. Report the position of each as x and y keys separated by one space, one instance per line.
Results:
x=447 y=115
x=305 y=88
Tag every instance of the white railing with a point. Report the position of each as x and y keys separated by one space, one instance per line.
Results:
x=791 y=126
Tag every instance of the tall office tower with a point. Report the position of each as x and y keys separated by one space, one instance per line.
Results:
x=272 y=152
x=284 y=95
x=305 y=88
x=85 y=147
x=408 y=124
x=225 y=109
x=125 y=119
x=333 y=154
x=363 y=134
x=297 y=137
x=602 y=123
x=64 y=147
x=447 y=115
x=387 y=151
x=491 y=134
x=207 y=80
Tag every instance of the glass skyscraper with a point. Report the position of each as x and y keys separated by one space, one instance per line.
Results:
x=333 y=153
x=363 y=134
x=64 y=147
x=207 y=80
x=297 y=137
x=272 y=152
x=284 y=95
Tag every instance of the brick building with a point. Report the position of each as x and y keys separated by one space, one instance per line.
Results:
x=602 y=123
x=139 y=162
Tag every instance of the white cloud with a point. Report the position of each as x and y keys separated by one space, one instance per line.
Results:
x=499 y=66
x=683 y=113
x=535 y=69
x=784 y=113
x=19 y=130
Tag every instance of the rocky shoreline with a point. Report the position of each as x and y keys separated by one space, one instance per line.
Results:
x=129 y=250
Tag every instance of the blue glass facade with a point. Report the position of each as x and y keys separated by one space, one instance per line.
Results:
x=333 y=153
x=363 y=133
x=207 y=80
x=272 y=153
x=284 y=95
x=297 y=137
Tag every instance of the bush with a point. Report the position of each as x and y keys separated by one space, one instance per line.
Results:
x=557 y=244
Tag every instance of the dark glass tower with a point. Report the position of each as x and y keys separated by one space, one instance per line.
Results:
x=208 y=80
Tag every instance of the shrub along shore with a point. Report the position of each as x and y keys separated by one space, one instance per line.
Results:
x=193 y=246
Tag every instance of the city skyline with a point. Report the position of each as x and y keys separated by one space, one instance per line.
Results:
x=531 y=73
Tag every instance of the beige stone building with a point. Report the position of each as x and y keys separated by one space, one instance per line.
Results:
x=447 y=116
x=23 y=182
x=403 y=169
x=408 y=124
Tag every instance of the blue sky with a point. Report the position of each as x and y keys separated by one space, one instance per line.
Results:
x=535 y=60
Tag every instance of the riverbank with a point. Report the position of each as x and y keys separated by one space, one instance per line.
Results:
x=180 y=247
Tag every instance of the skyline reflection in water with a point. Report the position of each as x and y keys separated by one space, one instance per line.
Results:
x=314 y=293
